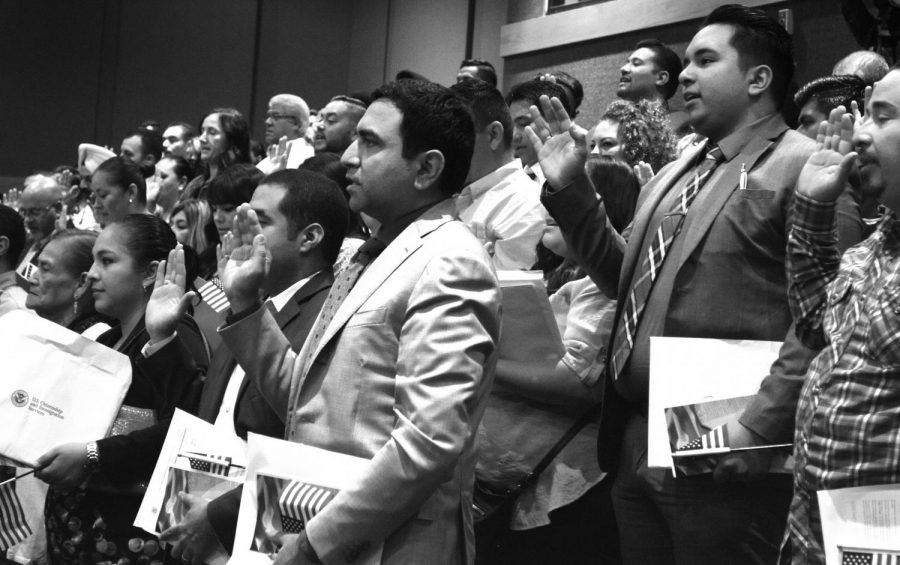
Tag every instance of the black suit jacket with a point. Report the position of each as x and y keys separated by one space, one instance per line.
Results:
x=252 y=413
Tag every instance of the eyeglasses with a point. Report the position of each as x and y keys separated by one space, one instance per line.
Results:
x=276 y=116
x=32 y=212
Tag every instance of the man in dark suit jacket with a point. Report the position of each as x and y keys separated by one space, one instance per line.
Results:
x=722 y=276
x=304 y=217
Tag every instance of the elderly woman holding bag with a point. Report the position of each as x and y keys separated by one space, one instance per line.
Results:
x=97 y=487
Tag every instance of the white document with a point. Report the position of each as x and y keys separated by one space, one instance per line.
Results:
x=690 y=370
x=275 y=467
x=860 y=519
x=56 y=387
x=189 y=435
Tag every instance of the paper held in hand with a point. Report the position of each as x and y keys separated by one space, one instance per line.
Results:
x=287 y=485
x=196 y=458
x=56 y=387
x=861 y=525
x=696 y=385
x=529 y=331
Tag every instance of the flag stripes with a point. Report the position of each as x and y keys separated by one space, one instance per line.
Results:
x=715 y=439
x=13 y=527
x=214 y=464
x=212 y=293
x=299 y=502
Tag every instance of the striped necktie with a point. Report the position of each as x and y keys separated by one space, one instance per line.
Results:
x=671 y=224
x=339 y=291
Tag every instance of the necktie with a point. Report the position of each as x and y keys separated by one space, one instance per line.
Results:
x=623 y=343
x=339 y=291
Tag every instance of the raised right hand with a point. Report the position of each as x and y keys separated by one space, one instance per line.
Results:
x=243 y=260
x=825 y=174
x=561 y=144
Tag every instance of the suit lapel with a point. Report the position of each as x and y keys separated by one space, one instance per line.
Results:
x=221 y=367
x=655 y=192
x=728 y=175
x=409 y=240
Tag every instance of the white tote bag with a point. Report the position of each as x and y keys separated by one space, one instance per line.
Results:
x=56 y=387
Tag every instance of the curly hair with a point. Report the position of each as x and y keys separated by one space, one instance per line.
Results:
x=644 y=132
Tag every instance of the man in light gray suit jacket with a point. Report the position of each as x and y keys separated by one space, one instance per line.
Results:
x=401 y=373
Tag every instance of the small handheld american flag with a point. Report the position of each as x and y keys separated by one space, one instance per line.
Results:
x=213 y=294
x=13 y=526
x=714 y=441
x=214 y=464
x=869 y=557
x=299 y=502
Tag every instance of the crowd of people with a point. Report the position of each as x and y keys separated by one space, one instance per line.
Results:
x=338 y=285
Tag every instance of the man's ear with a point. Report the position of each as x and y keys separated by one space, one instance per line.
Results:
x=4 y=246
x=662 y=77
x=759 y=79
x=495 y=135
x=430 y=167
x=309 y=238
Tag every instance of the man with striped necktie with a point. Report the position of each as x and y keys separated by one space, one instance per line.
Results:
x=704 y=257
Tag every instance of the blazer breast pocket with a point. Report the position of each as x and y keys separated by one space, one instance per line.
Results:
x=367 y=318
x=756 y=194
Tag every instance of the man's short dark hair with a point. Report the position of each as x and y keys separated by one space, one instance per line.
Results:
x=665 y=60
x=759 y=40
x=313 y=198
x=487 y=106
x=187 y=130
x=12 y=227
x=571 y=85
x=484 y=70
x=830 y=92
x=434 y=118
x=531 y=91
x=151 y=141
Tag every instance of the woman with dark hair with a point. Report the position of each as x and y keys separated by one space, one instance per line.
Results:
x=233 y=187
x=635 y=132
x=59 y=290
x=97 y=487
x=224 y=140
x=117 y=190
x=192 y=223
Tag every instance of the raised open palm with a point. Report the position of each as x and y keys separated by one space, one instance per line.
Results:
x=243 y=259
x=825 y=173
x=169 y=301
x=560 y=144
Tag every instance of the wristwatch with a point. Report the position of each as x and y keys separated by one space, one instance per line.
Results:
x=92 y=463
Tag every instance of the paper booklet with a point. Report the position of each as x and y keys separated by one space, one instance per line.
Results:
x=696 y=386
x=286 y=485
x=861 y=525
x=196 y=458
x=529 y=331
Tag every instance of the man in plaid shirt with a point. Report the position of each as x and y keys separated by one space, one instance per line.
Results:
x=848 y=417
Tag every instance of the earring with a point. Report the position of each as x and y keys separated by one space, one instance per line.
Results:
x=131 y=200
x=75 y=306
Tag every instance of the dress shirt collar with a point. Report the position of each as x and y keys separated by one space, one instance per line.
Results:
x=280 y=300
x=389 y=232
x=492 y=179
x=734 y=143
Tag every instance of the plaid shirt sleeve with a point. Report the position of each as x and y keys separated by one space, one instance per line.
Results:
x=812 y=262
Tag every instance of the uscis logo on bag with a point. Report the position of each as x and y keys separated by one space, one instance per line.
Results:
x=19 y=398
